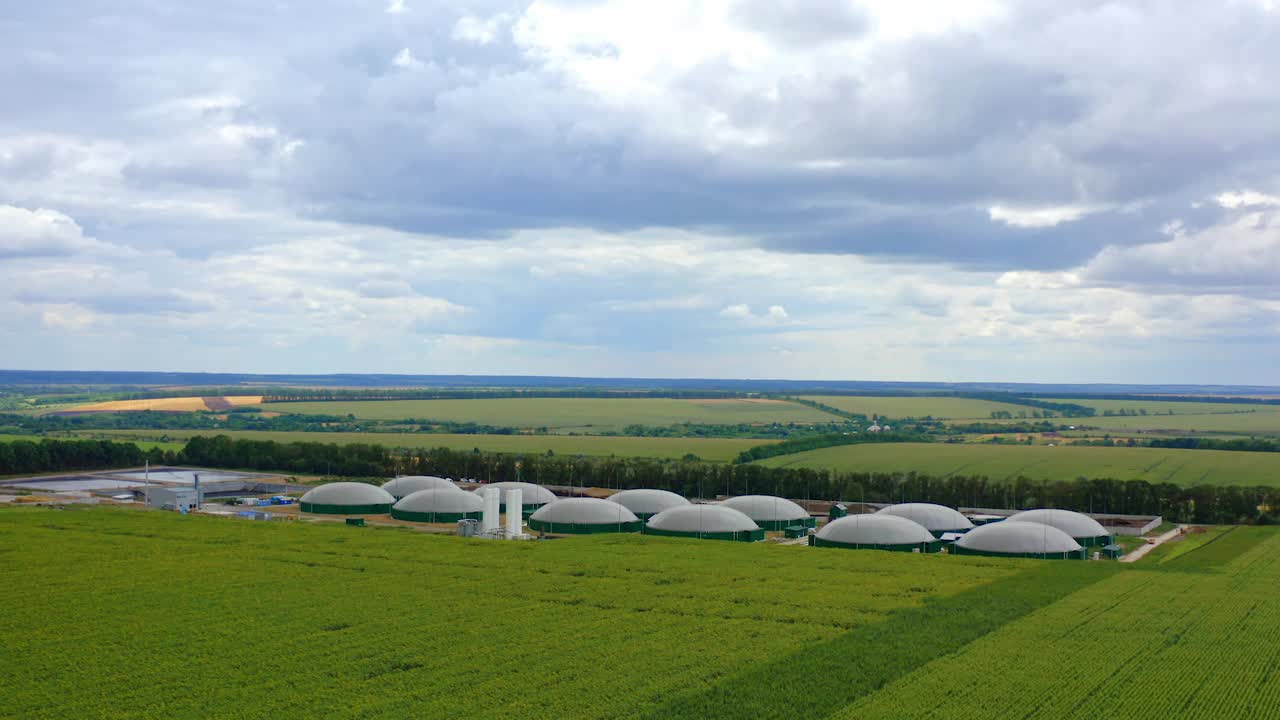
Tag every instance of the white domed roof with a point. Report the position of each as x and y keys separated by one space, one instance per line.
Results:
x=703 y=519
x=1074 y=524
x=408 y=484
x=1016 y=537
x=934 y=518
x=874 y=529
x=440 y=500
x=583 y=511
x=530 y=494
x=348 y=493
x=766 y=508
x=647 y=502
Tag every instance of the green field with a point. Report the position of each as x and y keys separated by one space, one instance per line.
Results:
x=1161 y=407
x=1260 y=421
x=197 y=617
x=145 y=444
x=940 y=408
x=1043 y=462
x=1194 y=637
x=712 y=449
x=568 y=414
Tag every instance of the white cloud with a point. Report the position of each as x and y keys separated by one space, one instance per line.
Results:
x=397 y=7
x=1245 y=199
x=406 y=61
x=481 y=31
x=1037 y=217
x=43 y=233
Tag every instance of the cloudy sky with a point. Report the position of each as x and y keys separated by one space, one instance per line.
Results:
x=912 y=190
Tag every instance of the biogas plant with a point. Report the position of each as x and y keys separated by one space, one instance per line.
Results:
x=526 y=511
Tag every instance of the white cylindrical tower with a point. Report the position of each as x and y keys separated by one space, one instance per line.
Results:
x=515 y=508
x=489 y=519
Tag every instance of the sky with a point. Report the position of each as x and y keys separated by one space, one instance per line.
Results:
x=805 y=189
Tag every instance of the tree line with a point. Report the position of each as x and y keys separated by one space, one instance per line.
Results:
x=21 y=457
x=1199 y=504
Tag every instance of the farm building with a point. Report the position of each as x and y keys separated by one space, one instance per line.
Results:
x=1014 y=538
x=347 y=498
x=582 y=516
x=937 y=519
x=771 y=513
x=438 y=505
x=407 y=485
x=1082 y=528
x=531 y=496
x=709 y=522
x=876 y=532
x=646 y=503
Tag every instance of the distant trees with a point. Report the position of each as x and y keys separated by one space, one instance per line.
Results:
x=21 y=457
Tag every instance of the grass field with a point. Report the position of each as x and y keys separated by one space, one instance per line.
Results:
x=941 y=408
x=712 y=449
x=569 y=414
x=1247 y=420
x=300 y=620
x=1183 y=467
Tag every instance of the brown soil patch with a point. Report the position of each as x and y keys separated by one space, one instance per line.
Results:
x=178 y=404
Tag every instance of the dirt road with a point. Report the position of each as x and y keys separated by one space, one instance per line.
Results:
x=1136 y=555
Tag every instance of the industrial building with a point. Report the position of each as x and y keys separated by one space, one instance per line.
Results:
x=1082 y=528
x=646 y=503
x=937 y=519
x=406 y=485
x=532 y=496
x=347 y=498
x=182 y=499
x=1014 y=538
x=709 y=522
x=438 y=505
x=874 y=531
x=771 y=513
x=582 y=516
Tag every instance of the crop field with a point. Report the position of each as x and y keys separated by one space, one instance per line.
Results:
x=1182 y=467
x=1160 y=407
x=296 y=620
x=569 y=414
x=711 y=449
x=941 y=408
x=1253 y=420
x=175 y=404
x=1194 y=637
x=301 y=620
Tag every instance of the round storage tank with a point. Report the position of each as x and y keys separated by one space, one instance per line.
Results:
x=1014 y=538
x=531 y=496
x=769 y=512
x=937 y=519
x=710 y=522
x=438 y=505
x=581 y=516
x=409 y=484
x=347 y=498
x=1082 y=528
x=646 y=503
x=876 y=532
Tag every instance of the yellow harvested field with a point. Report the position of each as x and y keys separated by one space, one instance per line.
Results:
x=177 y=404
